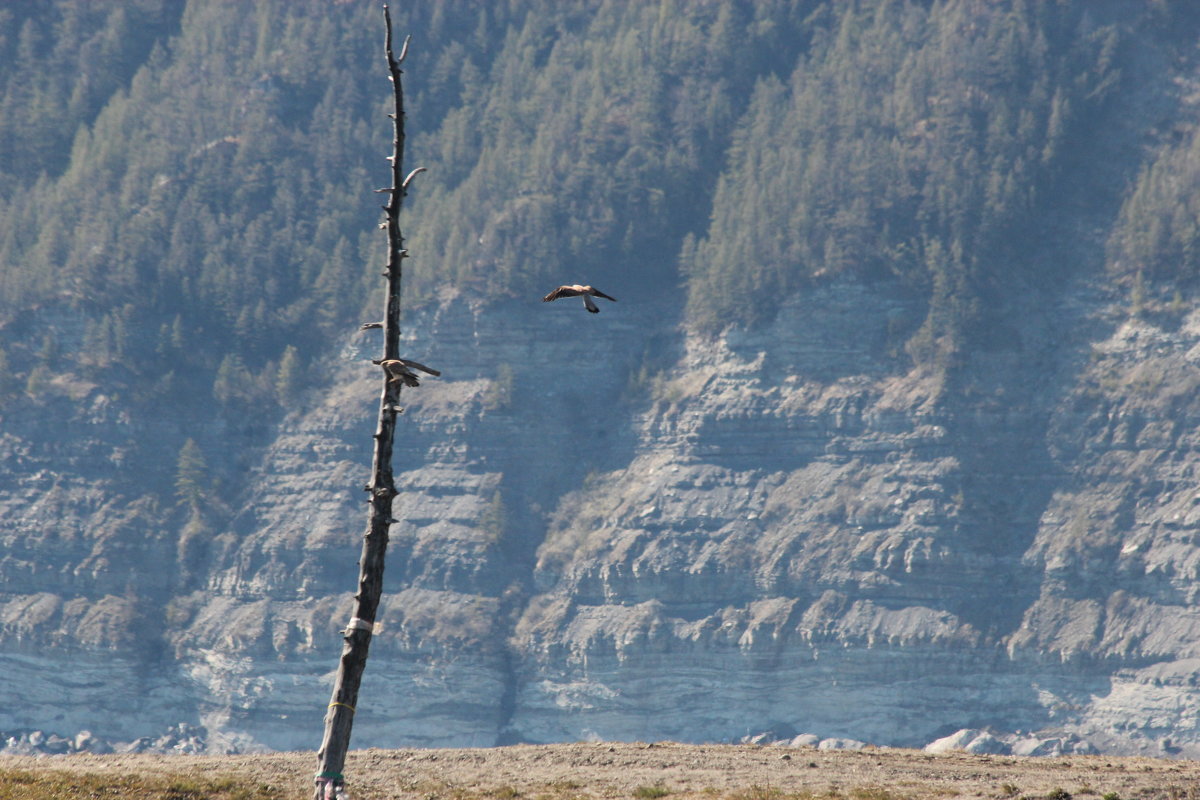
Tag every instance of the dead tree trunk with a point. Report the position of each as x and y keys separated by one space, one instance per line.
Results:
x=340 y=716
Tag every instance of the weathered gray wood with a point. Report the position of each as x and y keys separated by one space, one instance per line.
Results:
x=339 y=718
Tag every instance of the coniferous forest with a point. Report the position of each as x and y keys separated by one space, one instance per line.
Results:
x=200 y=176
x=189 y=230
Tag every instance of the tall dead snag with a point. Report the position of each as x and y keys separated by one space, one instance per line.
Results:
x=340 y=717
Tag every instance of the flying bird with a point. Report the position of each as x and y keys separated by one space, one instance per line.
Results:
x=398 y=369
x=575 y=290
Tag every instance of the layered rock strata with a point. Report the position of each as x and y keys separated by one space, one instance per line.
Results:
x=613 y=528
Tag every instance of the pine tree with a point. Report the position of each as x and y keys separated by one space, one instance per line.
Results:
x=233 y=381
x=8 y=381
x=287 y=379
x=191 y=475
x=494 y=520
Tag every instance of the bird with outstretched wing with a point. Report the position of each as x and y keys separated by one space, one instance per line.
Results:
x=577 y=290
x=398 y=369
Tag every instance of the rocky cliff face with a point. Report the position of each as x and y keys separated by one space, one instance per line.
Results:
x=809 y=535
x=614 y=528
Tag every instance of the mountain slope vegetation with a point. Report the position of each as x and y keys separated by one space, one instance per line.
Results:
x=202 y=176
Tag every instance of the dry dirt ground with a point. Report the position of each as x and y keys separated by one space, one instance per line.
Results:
x=592 y=771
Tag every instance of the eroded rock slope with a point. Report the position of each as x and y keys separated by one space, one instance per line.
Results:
x=613 y=528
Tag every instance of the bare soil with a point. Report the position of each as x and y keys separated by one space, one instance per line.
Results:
x=637 y=771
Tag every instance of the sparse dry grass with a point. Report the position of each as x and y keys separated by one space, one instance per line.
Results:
x=51 y=784
x=606 y=771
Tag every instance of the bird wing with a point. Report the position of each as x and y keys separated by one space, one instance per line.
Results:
x=599 y=293
x=562 y=291
x=397 y=371
x=592 y=307
x=409 y=363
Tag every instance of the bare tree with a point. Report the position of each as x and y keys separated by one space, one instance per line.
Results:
x=340 y=716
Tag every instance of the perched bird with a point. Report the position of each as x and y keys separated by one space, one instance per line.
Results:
x=575 y=290
x=398 y=369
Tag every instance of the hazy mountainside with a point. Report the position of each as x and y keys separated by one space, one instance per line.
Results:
x=890 y=432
